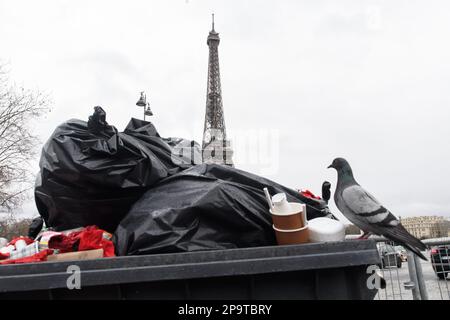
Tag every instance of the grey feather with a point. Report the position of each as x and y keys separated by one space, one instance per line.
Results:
x=366 y=212
x=361 y=203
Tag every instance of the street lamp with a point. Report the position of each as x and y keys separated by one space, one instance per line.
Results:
x=142 y=102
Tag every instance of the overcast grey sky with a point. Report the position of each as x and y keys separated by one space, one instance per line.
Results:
x=365 y=80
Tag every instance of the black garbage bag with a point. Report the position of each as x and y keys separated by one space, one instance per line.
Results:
x=90 y=174
x=35 y=227
x=204 y=207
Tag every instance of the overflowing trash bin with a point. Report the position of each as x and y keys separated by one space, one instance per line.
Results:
x=155 y=200
x=102 y=193
x=310 y=271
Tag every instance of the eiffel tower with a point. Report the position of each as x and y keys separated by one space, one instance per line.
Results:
x=215 y=148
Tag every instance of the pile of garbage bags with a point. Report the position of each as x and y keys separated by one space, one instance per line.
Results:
x=90 y=174
x=154 y=199
x=204 y=207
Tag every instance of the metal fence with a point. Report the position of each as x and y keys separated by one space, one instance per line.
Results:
x=407 y=277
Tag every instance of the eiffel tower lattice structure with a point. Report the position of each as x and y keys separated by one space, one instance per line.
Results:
x=215 y=147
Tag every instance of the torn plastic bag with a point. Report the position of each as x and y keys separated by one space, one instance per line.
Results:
x=204 y=207
x=91 y=174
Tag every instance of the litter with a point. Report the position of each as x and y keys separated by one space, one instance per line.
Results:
x=45 y=236
x=20 y=239
x=37 y=257
x=294 y=219
x=35 y=227
x=89 y=238
x=26 y=251
x=290 y=221
x=21 y=244
x=280 y=204
x=5 y=252
x=17 y=248
x=268 y=198
x=81 y=255
x=309 y=194
x=204 y=207
x=149 y=192
x=292 y=236
x=326 y=230
x=90 y=174
x=81 y=243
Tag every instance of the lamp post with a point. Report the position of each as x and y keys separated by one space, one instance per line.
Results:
x=142 y=102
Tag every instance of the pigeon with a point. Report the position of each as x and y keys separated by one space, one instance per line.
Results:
x=363 y=210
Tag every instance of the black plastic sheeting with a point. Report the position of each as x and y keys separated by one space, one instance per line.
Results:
x=90 y=174
x=204 y=207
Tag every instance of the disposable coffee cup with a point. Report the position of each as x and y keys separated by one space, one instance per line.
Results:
x=290 y=220
x=289 y=237
x=280 y=204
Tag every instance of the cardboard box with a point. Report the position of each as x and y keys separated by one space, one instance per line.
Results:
x=80 y=255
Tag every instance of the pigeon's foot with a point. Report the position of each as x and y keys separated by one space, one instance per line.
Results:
x=365 y=236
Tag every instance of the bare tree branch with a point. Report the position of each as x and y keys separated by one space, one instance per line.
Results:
x=18 y=107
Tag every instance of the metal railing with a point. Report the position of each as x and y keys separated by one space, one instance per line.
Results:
x=407 y=277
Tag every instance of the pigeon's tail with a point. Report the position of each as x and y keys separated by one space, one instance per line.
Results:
x=402 y=236
x=417 y=252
